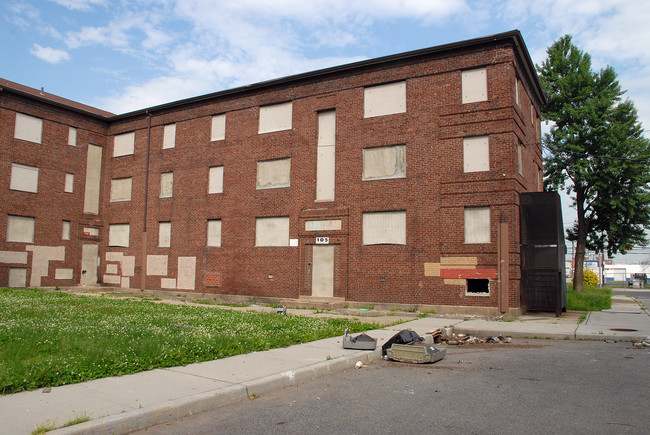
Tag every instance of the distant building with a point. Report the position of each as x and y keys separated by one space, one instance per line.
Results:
x=392 y=181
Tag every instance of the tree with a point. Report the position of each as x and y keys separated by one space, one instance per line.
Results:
x=596 y=151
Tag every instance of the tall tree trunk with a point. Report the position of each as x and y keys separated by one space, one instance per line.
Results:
x=581 y=244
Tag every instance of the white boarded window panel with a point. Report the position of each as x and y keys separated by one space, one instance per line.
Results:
x=24 y=178
x=329 y=225
x=477 y=225
x=20 y=229
x=520 y=161
x=28 y=128
x=69 y=183
x=164 y=234
x=476 y=154
x=387 y=227
x=121 y=189
x=218 y=131
x=517 y=91
x=65 y=230
x=273 y=174
x=384 y=162
x=118 y=235
x=123 y=144
x=166 y=184
x=214 y=232
x=384 y=99
x=72 y=136
x=169 y=136
x=275 y=118
x=272 y=231
x=215 y=180
x=474 y=83
x=326 y=161
x=17 y=277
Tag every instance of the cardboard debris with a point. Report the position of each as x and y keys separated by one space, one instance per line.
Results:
x=439 y=337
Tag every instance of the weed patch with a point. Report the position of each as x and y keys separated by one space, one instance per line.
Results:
x=54 y=338
x=592 y=299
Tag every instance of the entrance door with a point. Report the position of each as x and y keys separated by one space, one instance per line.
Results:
x=89 y=254
x=322 y=278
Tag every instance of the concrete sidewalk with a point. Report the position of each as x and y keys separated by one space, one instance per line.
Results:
x=123 y=404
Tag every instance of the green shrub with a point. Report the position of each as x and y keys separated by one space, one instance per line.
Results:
x=591 y=299
x=589 y=278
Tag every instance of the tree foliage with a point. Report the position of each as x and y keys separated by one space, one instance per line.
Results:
x=596 y=152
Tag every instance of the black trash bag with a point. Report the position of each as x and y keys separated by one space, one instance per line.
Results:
x=405 y=336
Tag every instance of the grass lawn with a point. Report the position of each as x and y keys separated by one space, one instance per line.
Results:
x=53 y=338
x=593 y=299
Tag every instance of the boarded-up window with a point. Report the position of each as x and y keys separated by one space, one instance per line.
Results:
x=69 y=183
x=215 y=180
x=214 y=232
x=20 y=229
x=121 y=189
x=476 y=154
x=72 y=136
x=218 y=131
x=164 y=234
x=118 y=235
x=123 y=144
x=17 y=277
x=169 y=136
x=24 y=178
x=28 y=128
x=325 y=164
x=65 y=230
x=386 y=227
x=276 y=117
x=474 y=83
x=517 y=91
x=384 y=99
x=166 y=184
x=477 y=225
x=272 y=231
x=520 y=160
x=273 y=174
x=384 y=162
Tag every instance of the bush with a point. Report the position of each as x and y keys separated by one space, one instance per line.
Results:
x=589 y=278
x=591 y=299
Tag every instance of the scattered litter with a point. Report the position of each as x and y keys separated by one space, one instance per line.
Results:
x=47 y=390
x=640 y=344
x=460 y=361
x=408 y=346
x=358 y=365
x=608 y=341
x=446 y=335
x=281 y=310
x=361 y=342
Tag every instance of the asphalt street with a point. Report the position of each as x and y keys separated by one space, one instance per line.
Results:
x=527 y=386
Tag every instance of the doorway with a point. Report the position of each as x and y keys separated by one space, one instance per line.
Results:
x=322 y=278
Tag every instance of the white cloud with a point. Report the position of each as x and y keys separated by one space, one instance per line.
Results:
x=79 y=5
x=49 y=54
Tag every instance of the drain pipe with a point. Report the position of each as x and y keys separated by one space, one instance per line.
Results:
x=143 y=275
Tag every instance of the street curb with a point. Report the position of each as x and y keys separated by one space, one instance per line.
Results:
x=550 y=335
x=137 y=419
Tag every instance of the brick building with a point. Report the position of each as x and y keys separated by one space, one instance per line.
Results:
x=393 y=180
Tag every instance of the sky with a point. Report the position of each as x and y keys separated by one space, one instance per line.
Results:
x=126 y=55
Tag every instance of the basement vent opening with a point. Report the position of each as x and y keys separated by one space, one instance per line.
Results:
x=478 y=286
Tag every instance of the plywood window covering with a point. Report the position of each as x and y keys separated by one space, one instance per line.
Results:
x=384 y=162
x=24 y=178
x=274 y=174
x=164 y=234
x=520 y=161
x=166 y=184
x=123 y=144
x=477 y=225
x=385 y=227
x=326 y=161
x=72 y=136
x=385 y=99
x=28 y=128
x=476 y=154
x=215 y=180
x=65 y=230
x=272 y=231
x=118 y=235
x=121 y=189
x=214 y=233
x=277 y=117
x=169 y=136
x=20 y=229
x=69 y=183
x=474 y=85
x=218 y=128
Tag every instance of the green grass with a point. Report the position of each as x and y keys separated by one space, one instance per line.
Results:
x=53 y=338
x=593 y=299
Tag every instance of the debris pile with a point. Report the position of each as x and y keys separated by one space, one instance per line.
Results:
x=439 y=337
x=408 y=346
x=361 y=342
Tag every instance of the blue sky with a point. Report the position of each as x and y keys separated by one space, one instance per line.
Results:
x=130 y=54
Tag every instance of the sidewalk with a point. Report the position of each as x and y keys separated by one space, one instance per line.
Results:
x=123 y=404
